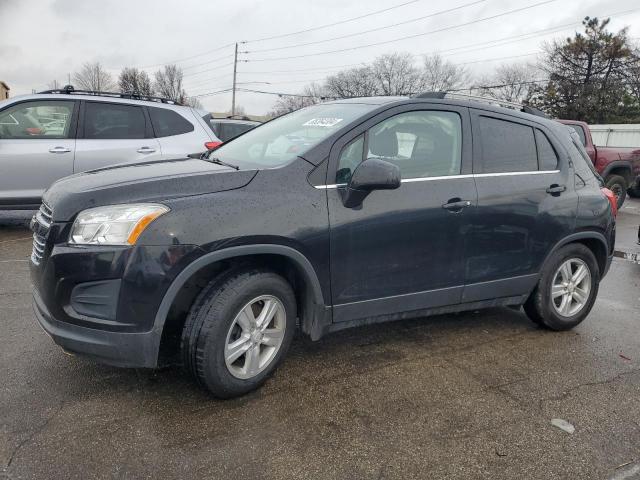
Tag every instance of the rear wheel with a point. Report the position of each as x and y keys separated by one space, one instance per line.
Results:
x=566 y=290
x=618 y=185
x=238 y=331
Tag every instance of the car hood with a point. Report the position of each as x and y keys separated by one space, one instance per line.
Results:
x=141 y=182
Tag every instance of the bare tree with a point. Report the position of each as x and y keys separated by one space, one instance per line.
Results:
x=511 y=83
x=440 y=75
x=310 y=95
x=168 y=84
x=355 y=82
x=396 y=74
x=92 y=76
x=132 y=80
x=194 y=102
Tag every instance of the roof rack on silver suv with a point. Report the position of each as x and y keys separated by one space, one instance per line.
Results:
x=491 y=101
x=68 y=89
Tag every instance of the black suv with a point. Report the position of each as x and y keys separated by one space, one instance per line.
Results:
x=336 y=215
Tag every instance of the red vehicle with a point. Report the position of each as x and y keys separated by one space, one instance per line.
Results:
x=618 y=166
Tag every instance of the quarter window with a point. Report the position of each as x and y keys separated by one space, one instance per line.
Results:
x=547 y=157
x=506 y=147
x=580 y=131
x=46 y=119
x=113 y=121
x=422 y=144
x=167 y=122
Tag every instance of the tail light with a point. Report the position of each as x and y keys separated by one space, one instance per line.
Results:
x=212 y=145
x=612 y=200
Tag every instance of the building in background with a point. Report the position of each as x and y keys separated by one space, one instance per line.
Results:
x=4 y=90
x=620 y=135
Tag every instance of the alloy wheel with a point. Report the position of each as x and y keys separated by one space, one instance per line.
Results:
x=255 y=337
x=571 y=287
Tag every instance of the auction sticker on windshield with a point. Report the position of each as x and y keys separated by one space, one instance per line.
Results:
x=322 y=122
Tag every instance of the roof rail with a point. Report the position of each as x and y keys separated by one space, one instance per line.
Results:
x=68 y=90
x=489 y=100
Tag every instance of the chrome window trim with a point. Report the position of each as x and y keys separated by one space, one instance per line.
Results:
x=452 y=177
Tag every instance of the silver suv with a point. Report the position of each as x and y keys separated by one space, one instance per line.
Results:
x=49 y=135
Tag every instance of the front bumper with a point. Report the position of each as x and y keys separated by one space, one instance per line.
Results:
x=122 y=349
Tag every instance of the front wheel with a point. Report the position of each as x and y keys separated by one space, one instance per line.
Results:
x=238 y=331
x=634 y=190
x=567 y=288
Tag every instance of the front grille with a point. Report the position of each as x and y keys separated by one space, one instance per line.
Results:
x=40 y=226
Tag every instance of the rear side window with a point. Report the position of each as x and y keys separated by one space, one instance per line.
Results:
x=105 y=121
x=232 y=130
x=547 y=157
x=506 y=147
x=167 y=122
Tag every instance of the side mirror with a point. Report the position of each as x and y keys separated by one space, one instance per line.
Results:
x=372 y=174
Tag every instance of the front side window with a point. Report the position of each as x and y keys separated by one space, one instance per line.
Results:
x=43 y=119
x=505 y=147
x=281 y=140
x=105 y=121
x=167 y=123
x=422 y=144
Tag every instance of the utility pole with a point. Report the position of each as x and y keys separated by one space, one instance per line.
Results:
x=233 y=95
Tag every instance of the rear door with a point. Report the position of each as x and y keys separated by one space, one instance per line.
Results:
x=114 y=133
x=37 y=147
x=526 y=204
x=402 y=249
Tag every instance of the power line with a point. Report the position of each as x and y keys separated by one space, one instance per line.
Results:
x=413 y=20
x=312 y=29
x=189 y=58
x=208 y=94
x=207 y=70
x=210 y=61
x=498 y=58
x=407 y=36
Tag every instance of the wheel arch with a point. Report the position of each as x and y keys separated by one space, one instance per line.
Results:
x=618 y=167
x=594 y=241
x=287 y=261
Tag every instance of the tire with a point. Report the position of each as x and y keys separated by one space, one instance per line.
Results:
x=618 y=185
x=218 y=320
x=543 y=309
x=634 y=190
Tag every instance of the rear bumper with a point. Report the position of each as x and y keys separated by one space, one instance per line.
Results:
x=122 y=349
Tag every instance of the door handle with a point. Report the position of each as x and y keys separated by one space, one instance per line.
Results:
x=456 y=205
x=555 y=188
x=59 y=150
x=146 y=150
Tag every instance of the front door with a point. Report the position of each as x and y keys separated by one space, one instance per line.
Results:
x=402 y=249
x=37 y=147
x=113 y=133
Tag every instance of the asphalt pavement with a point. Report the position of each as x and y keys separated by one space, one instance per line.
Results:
x=470 y=395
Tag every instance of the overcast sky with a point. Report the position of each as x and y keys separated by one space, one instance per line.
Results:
x=43 y=40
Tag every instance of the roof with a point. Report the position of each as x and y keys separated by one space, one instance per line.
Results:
x=4 y=84
x=479 y=103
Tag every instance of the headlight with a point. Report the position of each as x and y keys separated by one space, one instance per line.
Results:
x=115 y=224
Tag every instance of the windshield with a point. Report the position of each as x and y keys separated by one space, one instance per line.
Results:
x=283 y=139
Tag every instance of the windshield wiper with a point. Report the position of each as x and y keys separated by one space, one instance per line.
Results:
x=220 y=162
